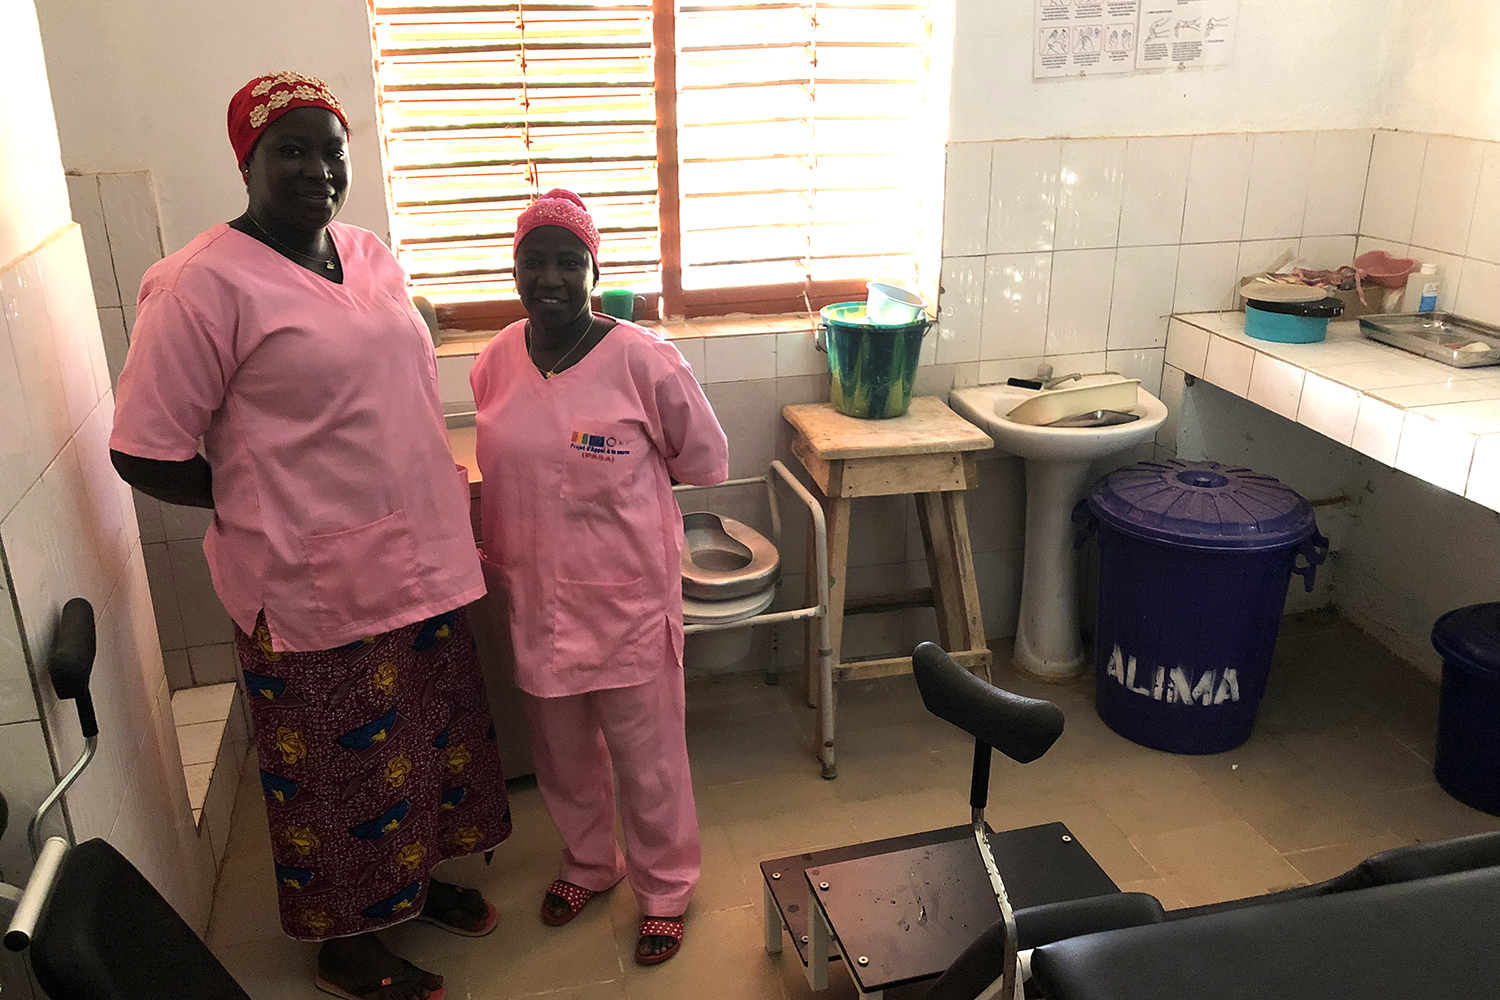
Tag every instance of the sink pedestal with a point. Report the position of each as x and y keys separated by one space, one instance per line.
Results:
x=1049 y=644
x=1048 y=635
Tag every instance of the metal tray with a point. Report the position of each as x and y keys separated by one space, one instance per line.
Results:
x=1436 y=335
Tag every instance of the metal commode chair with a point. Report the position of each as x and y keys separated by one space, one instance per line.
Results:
x=815 y=614
x=94 y=928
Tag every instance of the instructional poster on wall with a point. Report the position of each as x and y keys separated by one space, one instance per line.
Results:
x=1186 y=33
x=1088 y=37
x=1084 y=37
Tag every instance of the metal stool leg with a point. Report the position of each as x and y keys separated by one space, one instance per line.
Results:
x=772 y=922
x=818 y=939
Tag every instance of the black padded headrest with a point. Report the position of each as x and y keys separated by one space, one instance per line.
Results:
x=107 y=934
x=1021 y=728
x=70 y=661
x=71 y=658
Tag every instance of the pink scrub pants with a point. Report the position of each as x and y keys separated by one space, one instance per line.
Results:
x=581 y=744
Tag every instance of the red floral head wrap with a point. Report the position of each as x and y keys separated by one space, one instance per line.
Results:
x=266 y=98
x=560 y=207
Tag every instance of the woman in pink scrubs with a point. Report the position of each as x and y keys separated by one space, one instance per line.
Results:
x=583 y=423
x=340 y=542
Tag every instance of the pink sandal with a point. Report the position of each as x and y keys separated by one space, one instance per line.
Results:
x=576 y=896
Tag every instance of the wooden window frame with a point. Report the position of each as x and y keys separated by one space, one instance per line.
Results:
x=486 y=315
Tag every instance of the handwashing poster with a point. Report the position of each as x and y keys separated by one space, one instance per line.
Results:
x=1083 y=37
x=1088 y=37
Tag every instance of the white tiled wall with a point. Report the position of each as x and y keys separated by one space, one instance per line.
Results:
x=1437 y=198
x=68 y=528
x=122 y=238
x=1070 y=252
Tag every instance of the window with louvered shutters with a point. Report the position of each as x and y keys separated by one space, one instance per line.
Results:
x=737 y=157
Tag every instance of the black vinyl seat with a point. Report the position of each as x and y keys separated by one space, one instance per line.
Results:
x=1434 y=938
x=107 y=934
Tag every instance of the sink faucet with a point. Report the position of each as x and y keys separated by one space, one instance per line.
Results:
x=1045 y=377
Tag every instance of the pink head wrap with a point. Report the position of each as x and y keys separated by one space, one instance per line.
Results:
x=560 y=207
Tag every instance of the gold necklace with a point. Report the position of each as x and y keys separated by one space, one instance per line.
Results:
x=558 y=363
x=329 y=263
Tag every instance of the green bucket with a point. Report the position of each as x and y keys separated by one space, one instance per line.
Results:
x=873 y=365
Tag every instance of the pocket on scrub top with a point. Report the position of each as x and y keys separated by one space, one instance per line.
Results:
x=602 y=460
x=598 y=626
x=364 y=573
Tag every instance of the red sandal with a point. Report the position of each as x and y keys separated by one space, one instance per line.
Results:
x=667 y=927
x=576 y=896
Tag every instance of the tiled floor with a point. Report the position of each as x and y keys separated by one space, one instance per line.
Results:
x=1339 y=768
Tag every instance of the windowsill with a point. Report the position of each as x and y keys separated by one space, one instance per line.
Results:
x=460 y=343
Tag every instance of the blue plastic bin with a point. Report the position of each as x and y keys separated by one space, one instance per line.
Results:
x=1194 y=563
x=1467 y=764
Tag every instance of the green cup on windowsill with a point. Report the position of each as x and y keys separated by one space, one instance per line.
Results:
x=618 y=302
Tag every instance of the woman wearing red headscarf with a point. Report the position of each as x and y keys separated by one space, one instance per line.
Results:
x=583 y=423
x=340 y=542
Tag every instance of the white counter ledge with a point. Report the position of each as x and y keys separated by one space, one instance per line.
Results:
x=1437 y=423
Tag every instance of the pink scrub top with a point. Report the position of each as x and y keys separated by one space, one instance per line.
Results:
x=577 y=513
x=336 y=506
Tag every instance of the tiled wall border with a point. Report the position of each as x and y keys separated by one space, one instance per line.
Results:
x=122 y=239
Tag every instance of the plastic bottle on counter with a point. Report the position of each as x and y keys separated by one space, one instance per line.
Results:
x=1422 y=290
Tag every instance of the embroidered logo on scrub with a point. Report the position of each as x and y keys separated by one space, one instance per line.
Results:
x=599 y=447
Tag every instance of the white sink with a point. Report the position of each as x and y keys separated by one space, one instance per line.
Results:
x=986 y=406
x=1058 y=463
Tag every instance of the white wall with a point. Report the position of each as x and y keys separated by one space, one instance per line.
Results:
x=1296 y=66
x=1443 y=69
x=67 y=528
x=144 y=84
x=1415 y=65
x=1417 y=552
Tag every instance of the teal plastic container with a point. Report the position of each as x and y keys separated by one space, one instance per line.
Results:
x=1291 y=322
x=873 y=365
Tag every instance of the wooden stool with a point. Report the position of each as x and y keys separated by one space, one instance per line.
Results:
x=927 y=452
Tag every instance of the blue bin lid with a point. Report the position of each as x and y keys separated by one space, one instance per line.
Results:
x=1470 y=637
x=1203 y=505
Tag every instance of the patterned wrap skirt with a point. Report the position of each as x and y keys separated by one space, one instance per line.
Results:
x=378 y=760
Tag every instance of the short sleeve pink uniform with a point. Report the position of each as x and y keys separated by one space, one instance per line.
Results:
x=577 y=512
x=336 y=505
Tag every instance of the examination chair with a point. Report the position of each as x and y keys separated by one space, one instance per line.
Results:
x=1434 y=938
x=94 y=927
x=979 y=967
x=899 y=911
